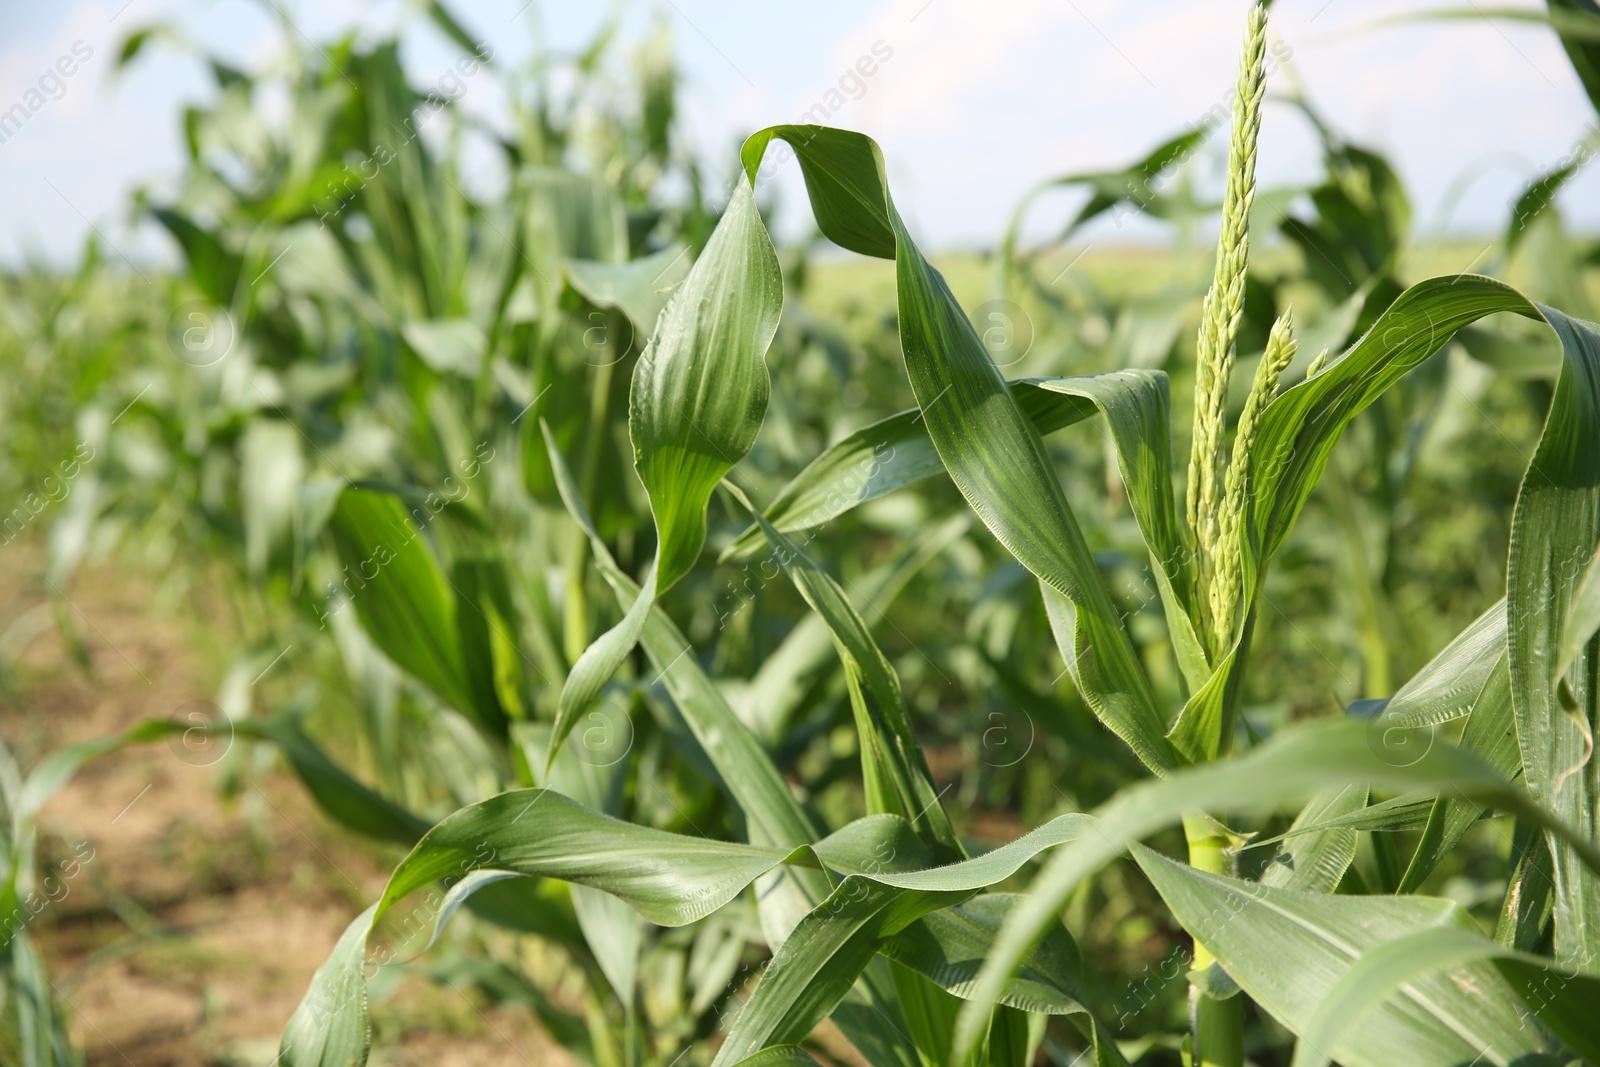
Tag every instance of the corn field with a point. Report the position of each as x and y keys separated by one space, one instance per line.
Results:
x=732 y=666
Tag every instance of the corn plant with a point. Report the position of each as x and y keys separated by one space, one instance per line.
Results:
x=886 y=924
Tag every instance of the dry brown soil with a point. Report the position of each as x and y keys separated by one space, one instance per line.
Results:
x=190 y=936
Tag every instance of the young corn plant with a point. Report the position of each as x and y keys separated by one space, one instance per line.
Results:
x=886 y=924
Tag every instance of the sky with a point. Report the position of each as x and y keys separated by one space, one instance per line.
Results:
x=974 y=101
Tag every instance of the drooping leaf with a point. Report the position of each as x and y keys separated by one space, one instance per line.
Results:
x=670 y=879
x=1555 y=529
x=1300 y=427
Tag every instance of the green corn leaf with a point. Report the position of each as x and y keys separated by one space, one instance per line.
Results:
x=1535 y=200
x=1468 y=677
x=992 y=452
x=1583 y=618
x=698 y=397
x=594 y=669
x=1563 y=1001
x=329 y=1028
x=569 y=216
x=214 y=269
x=271 y=468
x=34 y=1009
x=1299 y=428
x=812 y=970
x=1315 y=854
x=56 y=769
x=1204 y=727
x=1135 y=186
x=879 y=459
x=1288 y=950
x=1530 y=891
x=871 y=1019
x=406 y=602
x=1491 y=733
x=449 y=346
x=1137 y=411
x=930 y=1014
x=665 y=877
x=884 y=729
x=670 y=879
x=340 y=795
x=773 y=814
x=783 y=680
x=1284 y=772
x=1449 y=686
x=441 y=17
x=639 y=288
x=1409 y=812
x=1569 y=1012
x=1554 y=532
x=1578 y=23
x=779 y=1056
x=949 y=946
x=613 y=932
x=700 y=387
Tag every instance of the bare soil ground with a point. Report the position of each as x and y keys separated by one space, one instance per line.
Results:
x=191 y=935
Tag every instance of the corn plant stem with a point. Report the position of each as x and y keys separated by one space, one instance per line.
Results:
x=576 y=624
x=1216 y=1026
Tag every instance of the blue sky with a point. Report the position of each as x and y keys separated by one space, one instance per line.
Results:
x=976 y=101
